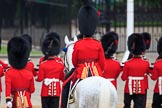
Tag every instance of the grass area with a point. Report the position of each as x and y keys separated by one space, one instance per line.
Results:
x=33 y=52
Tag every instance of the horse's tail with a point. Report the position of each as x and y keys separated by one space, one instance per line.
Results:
x=104 y=98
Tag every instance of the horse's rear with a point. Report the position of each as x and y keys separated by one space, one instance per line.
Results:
x=94 y=92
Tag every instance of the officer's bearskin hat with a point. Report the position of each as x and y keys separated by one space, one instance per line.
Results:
x=51 y=44
x=159 y=46
x=136 y=44
x=87 y=19
x=18 y=52
x=109 y=43
x=29 y=39
x=147 y=39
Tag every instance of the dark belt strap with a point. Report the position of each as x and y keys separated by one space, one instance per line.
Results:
x=87 y=61
x=18 y=89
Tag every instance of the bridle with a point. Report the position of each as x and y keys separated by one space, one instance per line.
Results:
x=65 y=58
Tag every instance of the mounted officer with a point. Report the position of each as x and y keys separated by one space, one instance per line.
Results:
x=88 y=55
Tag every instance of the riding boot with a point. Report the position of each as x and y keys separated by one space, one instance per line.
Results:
x=65 y=93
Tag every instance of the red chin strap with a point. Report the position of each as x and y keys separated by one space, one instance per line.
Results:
x=147 y=42
x=98 y=13
x=116 y=42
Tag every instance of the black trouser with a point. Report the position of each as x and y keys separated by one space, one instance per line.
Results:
x=138 y=100
x=157 y=101
x=50 y=102
x=145 y=99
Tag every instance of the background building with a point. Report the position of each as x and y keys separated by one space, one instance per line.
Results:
x=37 y=17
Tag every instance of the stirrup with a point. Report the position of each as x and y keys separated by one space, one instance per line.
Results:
x=71 y=99
x=71 y=96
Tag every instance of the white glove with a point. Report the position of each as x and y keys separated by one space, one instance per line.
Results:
x=9 y=104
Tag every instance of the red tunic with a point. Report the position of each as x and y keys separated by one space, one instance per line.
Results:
x=146 y=75
x=51 y=69
x=136 y=68
x=3 y=66
x=1 y=74
x=112 y=70
x=30 y=67
x=157 y=73
x=41 y=60
x=19 y=81
x=88 y=53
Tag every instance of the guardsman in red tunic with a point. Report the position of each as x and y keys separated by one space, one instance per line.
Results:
x=51 y=72
x=112 y=66
x=134 y=71
x=3 y=67
x=157 y=75
x=43 y=57
x=18 y=80
x=88 y=55
x=30 y=64
x=147 y=40
x=1 y=74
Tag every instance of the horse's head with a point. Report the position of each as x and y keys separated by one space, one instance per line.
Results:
x=68 y=52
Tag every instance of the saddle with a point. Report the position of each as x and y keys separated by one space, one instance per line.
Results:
x=71 y=98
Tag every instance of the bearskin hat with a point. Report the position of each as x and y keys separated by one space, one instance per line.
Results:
x=29 y=39
x=51 y=44
x=136 y=44
x=109 y=43
x=159 y=46
x=18 y=52
x=147 y=39
x=51 y=34
x=87 y=19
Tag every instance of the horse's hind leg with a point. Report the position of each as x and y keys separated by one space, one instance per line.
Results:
x=114 y=98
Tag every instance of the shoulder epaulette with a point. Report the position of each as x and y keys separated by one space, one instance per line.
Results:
x=96 y=40
x=7 y=69
x=144 y=58
x=43 y=61
x=59 y=61
x=29 y=59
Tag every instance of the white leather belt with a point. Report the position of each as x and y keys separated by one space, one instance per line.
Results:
x=111 y=79
x=160 y=85
x=47 y=81
x=130 y=82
